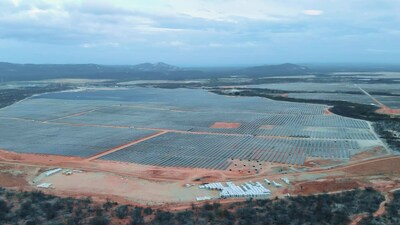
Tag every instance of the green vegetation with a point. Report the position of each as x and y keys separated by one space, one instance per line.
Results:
x=392 y=215
x=10 y=96
x=390 y=131
x=38 y=208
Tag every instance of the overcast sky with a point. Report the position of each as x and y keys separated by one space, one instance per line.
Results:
x=199 y=32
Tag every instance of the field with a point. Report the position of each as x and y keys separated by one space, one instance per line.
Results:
x=144 y=136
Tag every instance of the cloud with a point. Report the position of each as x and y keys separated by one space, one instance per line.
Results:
x=15 y=2
x=223 y=26
x=247 y=44
x=95 y=45
x=313 y=12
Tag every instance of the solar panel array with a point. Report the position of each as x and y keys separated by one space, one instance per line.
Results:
x=271 y=131
x=250 y=123
x=83 y=141
x=215 y=151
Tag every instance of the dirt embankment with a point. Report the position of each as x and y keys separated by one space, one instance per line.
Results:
x=387 y=166
x=325 y=186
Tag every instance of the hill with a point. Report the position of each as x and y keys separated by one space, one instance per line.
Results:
x=286 y=69
x=160 y=70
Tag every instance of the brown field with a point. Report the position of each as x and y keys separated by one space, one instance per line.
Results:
x=165 y=186
x=225 y=125
x=325 y=186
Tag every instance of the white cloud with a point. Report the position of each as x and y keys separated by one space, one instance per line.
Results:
x=15 y=2
x=247 y=44
x=198 y=25
x=215 y=45
x=232 y=10
x=313 y=12
x=153 y=29
x=95 y=45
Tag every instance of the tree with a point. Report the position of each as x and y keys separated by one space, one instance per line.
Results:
x=148 y=211
x=121 y=211
x=137 y=217
x=99 y=220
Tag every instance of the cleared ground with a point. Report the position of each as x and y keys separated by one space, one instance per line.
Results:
x=149 y=185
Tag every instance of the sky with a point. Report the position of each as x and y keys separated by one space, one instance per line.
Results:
x=200 y=32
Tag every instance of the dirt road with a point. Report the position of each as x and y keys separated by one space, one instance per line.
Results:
x=99 y=155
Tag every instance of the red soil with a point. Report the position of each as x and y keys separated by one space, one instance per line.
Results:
x=329 y=185
x=327 y=112
x=10 y=180
x=139 y=171
x=389 y=166
x=388 y=111
x=357 y=219
x=320 y=162
x=351 y=176
x=286 y=95
x=382 y=206
x=42 y=159
x=225 y=125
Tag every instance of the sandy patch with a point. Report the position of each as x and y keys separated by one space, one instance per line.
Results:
x=328 y=185
x=127 y=187
x=225 y=125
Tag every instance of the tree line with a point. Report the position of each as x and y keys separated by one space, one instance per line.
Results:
x=34 y=208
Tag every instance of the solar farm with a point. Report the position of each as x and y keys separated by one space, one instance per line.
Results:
x=182 y=128
x=339 y=92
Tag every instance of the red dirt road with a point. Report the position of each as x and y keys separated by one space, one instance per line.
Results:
x=384 y=108
x=124 y=146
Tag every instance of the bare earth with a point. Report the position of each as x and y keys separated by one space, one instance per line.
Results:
x=165 y=186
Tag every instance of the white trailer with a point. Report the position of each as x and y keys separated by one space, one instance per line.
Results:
x=276 y=184
x=286 y=180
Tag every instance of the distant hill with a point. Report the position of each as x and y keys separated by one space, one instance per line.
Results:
x=276 y=70
x=14 y=72
x=160 y=66
x=160 y=70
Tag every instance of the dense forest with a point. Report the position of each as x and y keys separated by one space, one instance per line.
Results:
x=10 y=96
x=390 y=131
x=30 y=208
